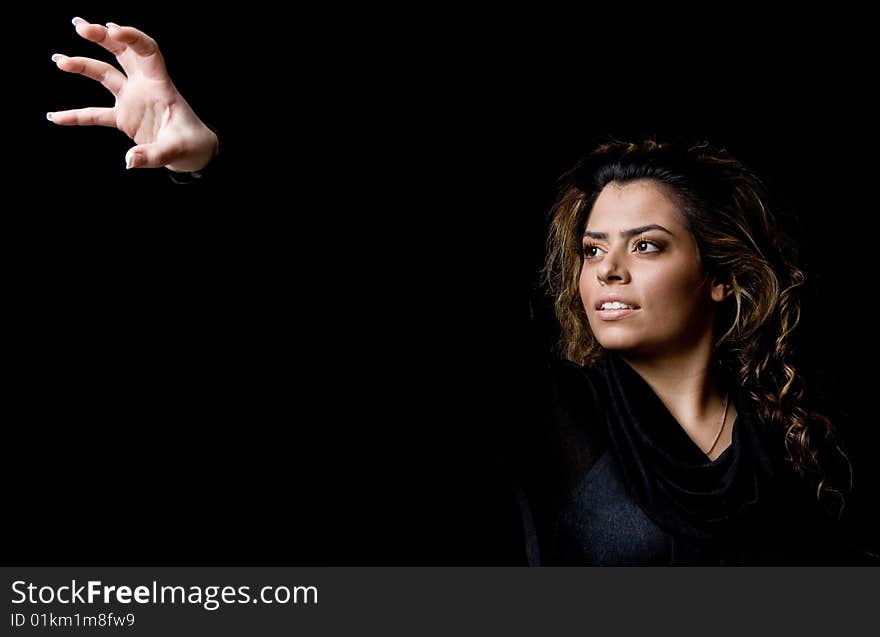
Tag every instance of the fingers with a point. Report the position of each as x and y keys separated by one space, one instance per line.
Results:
x=111 y=77
x=149 y=60
x=148 y=156
x=97 y=33
x=136 y=40
x=91 y=116
x=145 y=57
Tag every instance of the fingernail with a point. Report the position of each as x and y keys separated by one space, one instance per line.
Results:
x=129 y=160
x=56 y=57
x=49 y=116
x=76 y=21
x=113 y=24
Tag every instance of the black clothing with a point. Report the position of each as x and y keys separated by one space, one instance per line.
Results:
x=610 y=478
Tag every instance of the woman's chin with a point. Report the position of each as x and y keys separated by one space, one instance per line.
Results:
x=621 y=345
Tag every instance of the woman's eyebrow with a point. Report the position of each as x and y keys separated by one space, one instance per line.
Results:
x=625 y=234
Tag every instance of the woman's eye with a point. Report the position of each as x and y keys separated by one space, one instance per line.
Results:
x=588 y=251
x=647 y=243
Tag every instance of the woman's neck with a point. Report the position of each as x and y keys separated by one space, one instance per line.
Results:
x=687 y=384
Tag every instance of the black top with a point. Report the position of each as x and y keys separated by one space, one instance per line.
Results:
x=610 y=478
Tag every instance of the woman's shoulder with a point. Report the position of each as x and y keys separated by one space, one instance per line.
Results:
x=572 y=384
x=564 y=413
x=573 y=421
x=811 y=531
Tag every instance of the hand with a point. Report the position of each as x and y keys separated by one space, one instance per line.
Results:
x=148 y=108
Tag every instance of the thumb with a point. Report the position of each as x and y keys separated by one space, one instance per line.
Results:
x=145 y=156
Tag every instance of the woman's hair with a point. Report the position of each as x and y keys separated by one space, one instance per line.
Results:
x=741 y=240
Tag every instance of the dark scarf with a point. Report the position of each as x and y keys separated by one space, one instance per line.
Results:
x=670 y=477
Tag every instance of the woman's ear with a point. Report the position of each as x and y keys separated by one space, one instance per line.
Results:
x=721 y=289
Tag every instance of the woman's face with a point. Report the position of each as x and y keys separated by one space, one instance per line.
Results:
x=638 y=250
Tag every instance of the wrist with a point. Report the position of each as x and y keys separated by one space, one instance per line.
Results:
x=198 y=170
x=206 y=148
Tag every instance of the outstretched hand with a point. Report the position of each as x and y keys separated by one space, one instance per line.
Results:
x=148 y=108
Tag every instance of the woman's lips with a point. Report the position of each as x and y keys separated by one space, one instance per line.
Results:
x=615 y=315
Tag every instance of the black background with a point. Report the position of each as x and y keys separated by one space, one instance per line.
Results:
x=311 y=357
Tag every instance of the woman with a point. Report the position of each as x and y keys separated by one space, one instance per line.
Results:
x=679 y=430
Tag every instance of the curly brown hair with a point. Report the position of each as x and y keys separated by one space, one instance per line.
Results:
x=741 y=239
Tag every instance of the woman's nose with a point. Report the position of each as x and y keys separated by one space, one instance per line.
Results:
x=612 y=270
